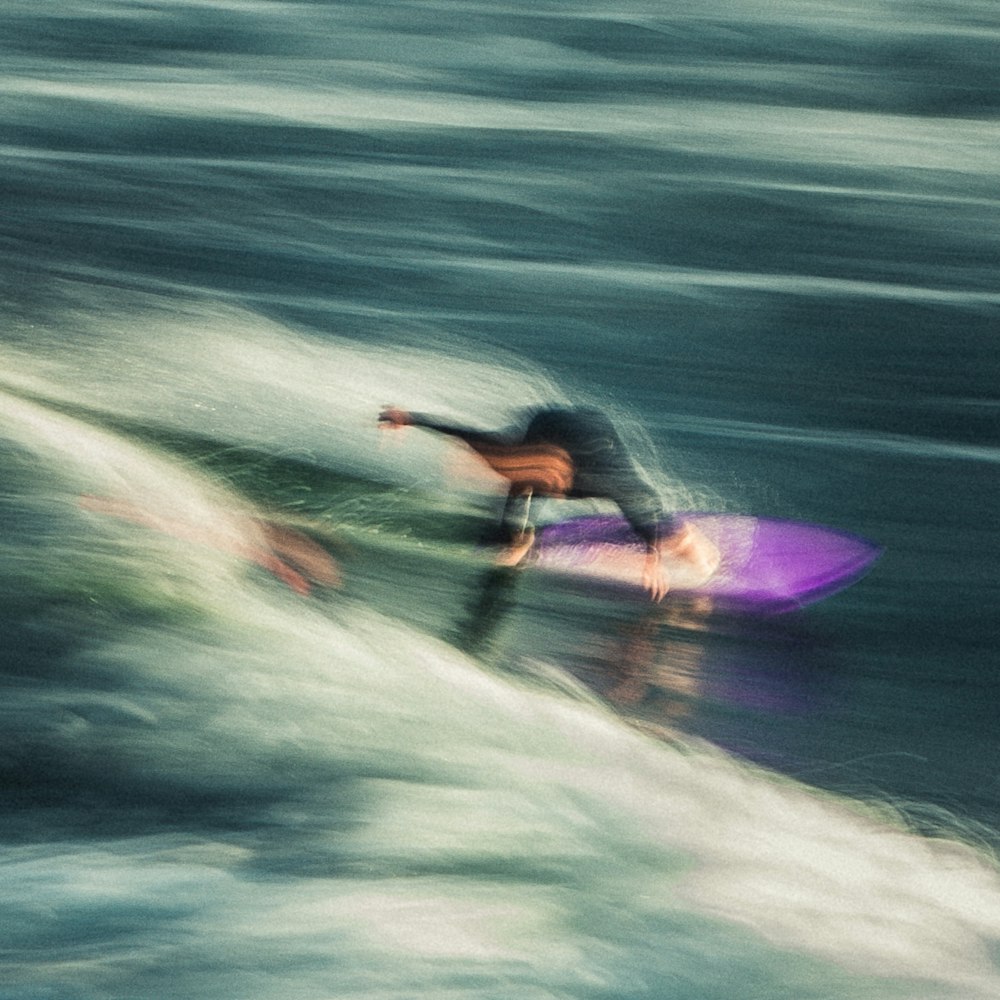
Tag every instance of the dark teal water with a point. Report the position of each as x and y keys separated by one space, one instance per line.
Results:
x=764 y=237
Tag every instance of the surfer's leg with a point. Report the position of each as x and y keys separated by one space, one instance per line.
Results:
x=489 y=605
x=516 y=530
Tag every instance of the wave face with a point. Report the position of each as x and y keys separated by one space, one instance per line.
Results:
x=270 y=726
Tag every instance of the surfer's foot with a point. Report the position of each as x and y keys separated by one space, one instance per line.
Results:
x=691 y=546
x=520 y=546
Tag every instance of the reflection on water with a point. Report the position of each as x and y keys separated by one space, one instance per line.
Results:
x=655 y=659
x=762 y=687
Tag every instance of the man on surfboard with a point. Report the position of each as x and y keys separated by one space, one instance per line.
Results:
x=571 y=452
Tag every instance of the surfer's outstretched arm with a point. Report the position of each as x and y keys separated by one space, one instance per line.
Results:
x=393 y=418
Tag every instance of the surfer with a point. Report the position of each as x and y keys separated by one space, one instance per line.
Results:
x=571 y=452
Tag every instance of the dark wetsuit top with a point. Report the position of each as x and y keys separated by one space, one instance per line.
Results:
x=602 y=466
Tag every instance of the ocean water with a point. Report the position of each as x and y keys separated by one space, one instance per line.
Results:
x=763 y=236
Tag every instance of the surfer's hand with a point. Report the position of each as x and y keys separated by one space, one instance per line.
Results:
x=654 y=576
x=393 y=418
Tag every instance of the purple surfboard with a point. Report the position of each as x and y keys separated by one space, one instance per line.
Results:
x=765 y=565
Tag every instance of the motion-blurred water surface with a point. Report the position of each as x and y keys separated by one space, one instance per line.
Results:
x=762 y=236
